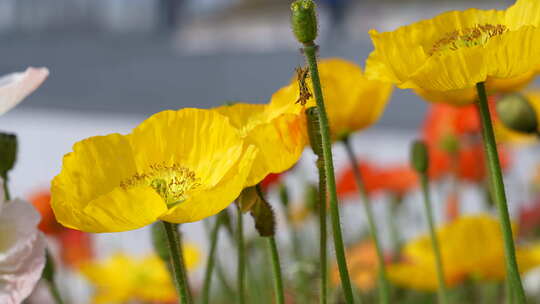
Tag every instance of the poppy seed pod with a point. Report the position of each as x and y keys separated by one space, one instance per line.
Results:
x=419 y=156
x=304 y=20
x=517 y=113
x=8 y=152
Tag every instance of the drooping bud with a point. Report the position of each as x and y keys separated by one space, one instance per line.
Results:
x=304 y=20
x=311 y=197
x=159 y=241
x=263 y=215
x=8 y=152
x=419 y=156
x=517 y=113
x=247 y=199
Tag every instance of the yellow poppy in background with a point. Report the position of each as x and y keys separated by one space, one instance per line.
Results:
x=352 y=101
x=456 y=50
x=122 y=278
x=505 y=135
x=280 y=136
x=471 y=247
x=177 y=166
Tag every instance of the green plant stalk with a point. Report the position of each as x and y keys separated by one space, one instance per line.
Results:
x=394 y=231
x=241 y=269
x=384 y=284
x=499 y=195
x=310 y=50
x=276 y=267
x=177 y=262
x=49 y=274
x=322 y=232
x=442 y=291
x=7 y=195
x=210 y=260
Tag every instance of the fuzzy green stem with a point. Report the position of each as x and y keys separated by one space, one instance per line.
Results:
x=276 y=267
x=49 y=274
x=241 y=269
x=310 y=50
x=498 y=192
x=384 y=284
x=210 y=260
x=177 y=262
x=442 y=291
x=322 y=233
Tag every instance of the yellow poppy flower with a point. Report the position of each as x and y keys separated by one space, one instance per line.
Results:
x=505 y=135
x=471 y=247
x=177 y=166
x=122 y=278
x=352 y=101
x=280 y=136
x=456 y=50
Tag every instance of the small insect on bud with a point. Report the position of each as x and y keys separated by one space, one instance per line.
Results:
x=304 y=20
x=8 y=152
x=517 y=113
x=419 y=156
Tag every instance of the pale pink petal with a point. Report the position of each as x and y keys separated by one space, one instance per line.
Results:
x=16 y=86
x=22 y=251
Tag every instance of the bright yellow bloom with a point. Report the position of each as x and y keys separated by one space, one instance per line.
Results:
x=456 y=50
x=177 y=166
x=122 y=278
x=352 y=101
x=471 y=247
x=279 y=135
x=506 y=135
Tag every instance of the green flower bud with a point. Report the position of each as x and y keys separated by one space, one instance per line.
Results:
x=312 y=197
x=314 y=131
x=304 y=20
x=159 y=241
x=8 y=152
x=516 y=113
x=419 y=156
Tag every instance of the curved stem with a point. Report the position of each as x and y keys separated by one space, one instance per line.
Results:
x=499 y=195
x=443 y=294
x=177 y=262
x=276 y=267
x=241 y=270
x=310 y=50
x=384 y=286
x=210 y=261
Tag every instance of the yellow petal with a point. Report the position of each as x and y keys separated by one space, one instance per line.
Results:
x=205 y=203
x=201 y=140
x=87 y=195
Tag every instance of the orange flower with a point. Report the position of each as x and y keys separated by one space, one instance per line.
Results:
x=49 y=225
x=398 y=179
x=363 y=265
x=453 y=135
x=76 y=247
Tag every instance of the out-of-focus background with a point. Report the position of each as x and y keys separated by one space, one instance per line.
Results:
x=115 y=62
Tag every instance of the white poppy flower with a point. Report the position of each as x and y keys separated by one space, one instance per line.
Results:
x=15 y=87
x=22 y=250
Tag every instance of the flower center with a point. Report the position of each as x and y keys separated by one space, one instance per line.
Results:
x=170 y=182
x=467 y=37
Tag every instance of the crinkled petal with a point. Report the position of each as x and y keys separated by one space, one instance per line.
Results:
x=22 y=254
x=87 y=194
x=201 y=140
